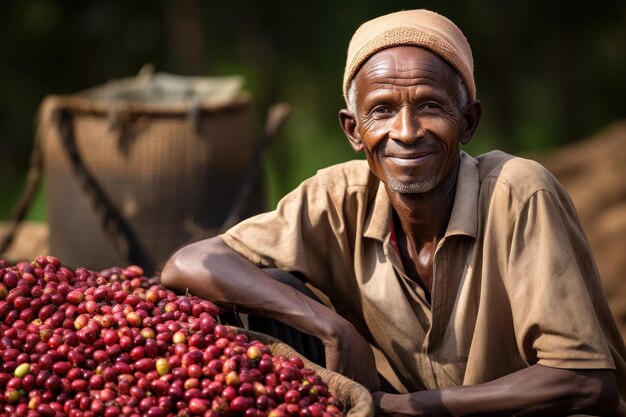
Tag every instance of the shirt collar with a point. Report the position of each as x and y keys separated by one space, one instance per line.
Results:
x=464 y=217
x=378 y=220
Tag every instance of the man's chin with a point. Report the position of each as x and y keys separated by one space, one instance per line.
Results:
x=423 y=185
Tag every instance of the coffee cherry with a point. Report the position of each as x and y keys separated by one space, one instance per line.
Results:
x=116 y=343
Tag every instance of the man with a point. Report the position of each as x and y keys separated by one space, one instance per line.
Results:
x=470 y=276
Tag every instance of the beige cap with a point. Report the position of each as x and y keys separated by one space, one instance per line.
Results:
x=411 y=27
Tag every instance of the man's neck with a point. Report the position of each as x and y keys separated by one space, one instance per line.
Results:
x=420 y=221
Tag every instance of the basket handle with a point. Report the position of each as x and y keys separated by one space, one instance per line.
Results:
x=113 y=224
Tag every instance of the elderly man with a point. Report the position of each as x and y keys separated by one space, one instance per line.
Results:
x=470 y=277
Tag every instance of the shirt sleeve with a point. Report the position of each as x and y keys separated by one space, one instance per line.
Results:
x=556 y=296
x=298 y=236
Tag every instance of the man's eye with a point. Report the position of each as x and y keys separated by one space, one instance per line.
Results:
x=431 y=106
x=381 y=110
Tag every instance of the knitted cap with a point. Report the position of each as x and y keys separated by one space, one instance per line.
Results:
x=411 y=27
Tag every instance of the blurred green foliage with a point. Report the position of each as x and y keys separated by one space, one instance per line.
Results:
x=547 y=72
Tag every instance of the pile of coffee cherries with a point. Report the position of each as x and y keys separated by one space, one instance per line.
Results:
x=80 y=343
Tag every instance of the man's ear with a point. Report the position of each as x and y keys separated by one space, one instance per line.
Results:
x=347 y=120
x=471 y=116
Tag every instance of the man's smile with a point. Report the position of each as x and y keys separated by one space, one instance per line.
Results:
x=409 y=160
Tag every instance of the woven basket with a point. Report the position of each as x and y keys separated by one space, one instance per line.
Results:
x=354 y=396
x=140 y=166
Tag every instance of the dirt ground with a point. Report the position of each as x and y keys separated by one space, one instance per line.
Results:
x=593 y=171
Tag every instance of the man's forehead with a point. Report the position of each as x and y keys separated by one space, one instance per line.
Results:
x=405 y=62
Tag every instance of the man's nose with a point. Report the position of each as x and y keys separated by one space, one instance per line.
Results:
x=406 y=127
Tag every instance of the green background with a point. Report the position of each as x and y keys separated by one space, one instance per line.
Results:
x=548 y=73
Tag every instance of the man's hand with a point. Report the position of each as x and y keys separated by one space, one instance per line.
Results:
x=534 y=391
x=396 y=405
x=349 y=354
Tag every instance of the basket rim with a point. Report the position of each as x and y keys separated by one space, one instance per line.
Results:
x=77 y=104
x=360 y=402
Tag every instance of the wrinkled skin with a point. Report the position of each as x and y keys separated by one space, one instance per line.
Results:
x=409 y=122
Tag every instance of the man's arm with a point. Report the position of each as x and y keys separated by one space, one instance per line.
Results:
x=535 y=391
x=210 y=269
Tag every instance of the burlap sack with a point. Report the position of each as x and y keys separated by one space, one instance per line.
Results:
x=137 y=167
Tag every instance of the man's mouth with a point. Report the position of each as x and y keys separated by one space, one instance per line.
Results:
x=409 y=159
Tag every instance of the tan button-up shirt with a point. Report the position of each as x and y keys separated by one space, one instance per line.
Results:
x=514 y=282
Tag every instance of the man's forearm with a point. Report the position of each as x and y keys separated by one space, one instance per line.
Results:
x=211 y=270
x=534 y=391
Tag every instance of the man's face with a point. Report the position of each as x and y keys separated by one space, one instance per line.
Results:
x=408 y=118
